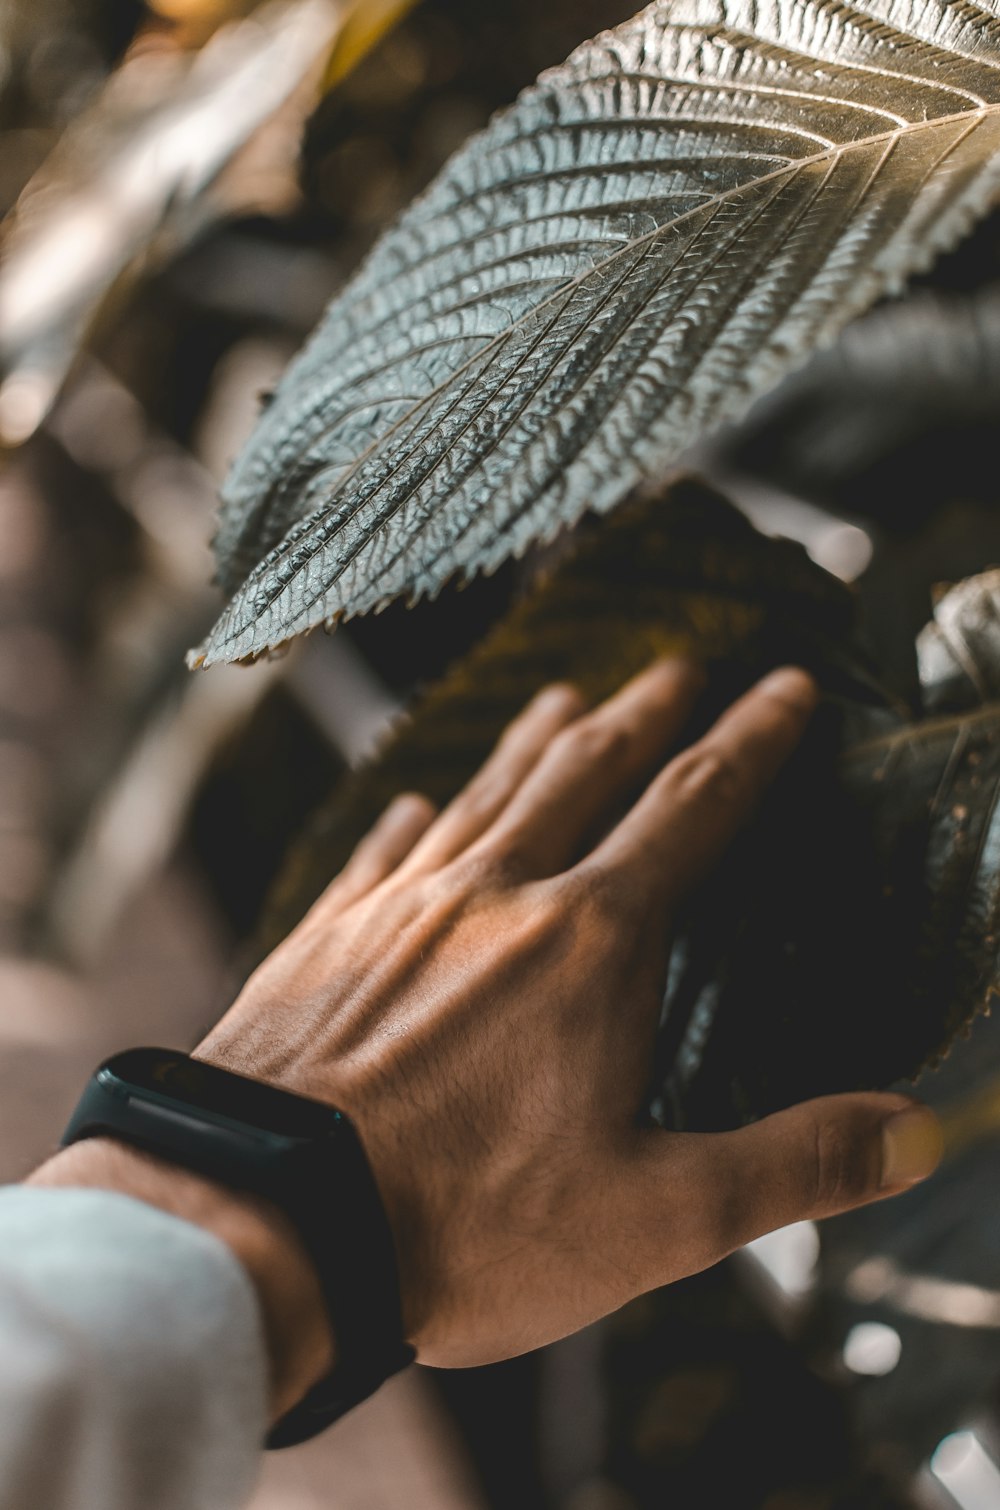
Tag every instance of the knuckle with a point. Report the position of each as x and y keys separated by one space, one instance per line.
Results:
x=595 y=741
x=498 y=857
x=839 y=1175
x=600 y=897
x=706 y=773
x=545 y=911
x=476 y=868
x=583 y=889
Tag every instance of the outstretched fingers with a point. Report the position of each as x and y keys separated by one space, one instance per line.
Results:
x=593 y=765
x=698 y=803
x=481 y=801
x=380 y=852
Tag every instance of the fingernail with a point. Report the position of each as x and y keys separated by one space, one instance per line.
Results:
x=792 y=685
x=683 y=665
x=911 y=1147
x=406 y=806
x=557 y=695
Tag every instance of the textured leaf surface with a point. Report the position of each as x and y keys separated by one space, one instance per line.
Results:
x=959 y=650
x=649 y=237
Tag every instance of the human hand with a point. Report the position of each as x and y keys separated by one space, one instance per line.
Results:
x=480 y=991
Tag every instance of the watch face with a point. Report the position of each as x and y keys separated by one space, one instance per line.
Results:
x=177 y=1078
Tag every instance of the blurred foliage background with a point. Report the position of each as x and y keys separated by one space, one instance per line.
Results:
x=183 y=185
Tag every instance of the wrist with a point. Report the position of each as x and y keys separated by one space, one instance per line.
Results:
x=294 y=1317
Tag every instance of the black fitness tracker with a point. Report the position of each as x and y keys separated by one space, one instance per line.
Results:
x=305 y=1157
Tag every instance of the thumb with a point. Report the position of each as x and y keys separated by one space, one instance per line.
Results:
x=811 y=1161
x=831 y=1155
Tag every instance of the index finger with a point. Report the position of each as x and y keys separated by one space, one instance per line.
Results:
x=698 y=803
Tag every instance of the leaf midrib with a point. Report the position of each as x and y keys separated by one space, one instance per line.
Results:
x=835 y=152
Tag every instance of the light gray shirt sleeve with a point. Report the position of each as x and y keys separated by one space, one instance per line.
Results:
x=133 y=1374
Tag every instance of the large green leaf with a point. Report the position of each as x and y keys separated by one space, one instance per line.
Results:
x=652 y=235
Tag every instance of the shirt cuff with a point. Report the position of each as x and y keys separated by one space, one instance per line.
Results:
x=133 y=1371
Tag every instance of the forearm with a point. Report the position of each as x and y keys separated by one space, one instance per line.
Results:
x=294 y=1318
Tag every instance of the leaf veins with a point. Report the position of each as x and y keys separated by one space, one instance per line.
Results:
x=652 y=235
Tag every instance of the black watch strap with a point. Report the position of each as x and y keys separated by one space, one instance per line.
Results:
x=340 y=1217
x=346 y=1232
x=300 y=1154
